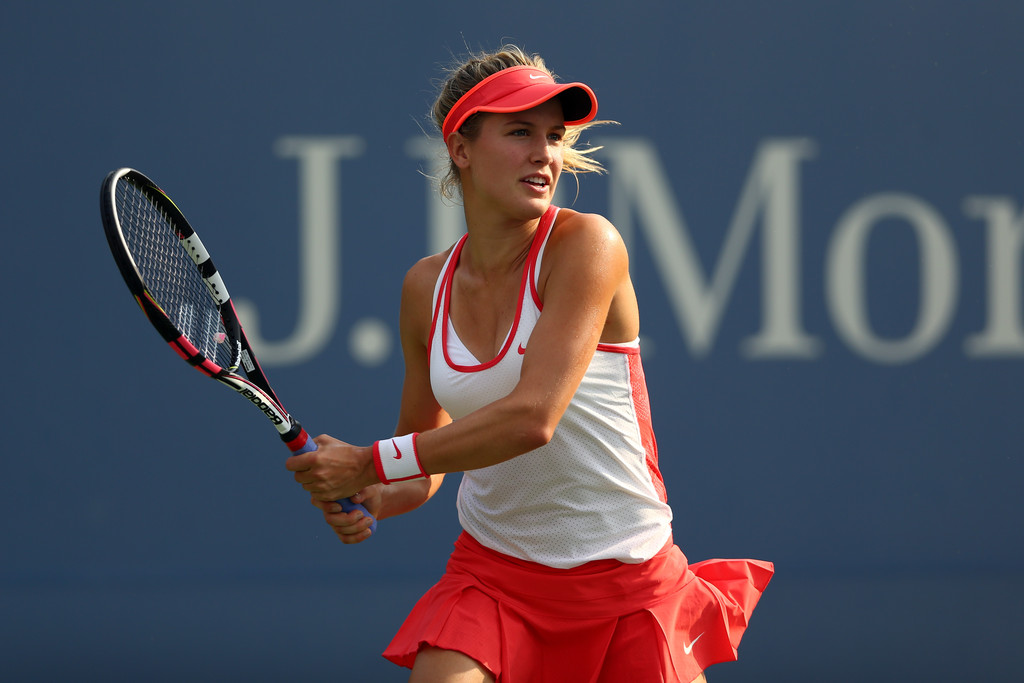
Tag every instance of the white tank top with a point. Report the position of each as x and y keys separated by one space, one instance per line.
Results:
x=594 y=491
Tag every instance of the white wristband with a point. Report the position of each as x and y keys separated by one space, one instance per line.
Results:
x=397 y=460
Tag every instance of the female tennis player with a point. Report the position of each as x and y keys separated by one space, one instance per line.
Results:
x=523 y=372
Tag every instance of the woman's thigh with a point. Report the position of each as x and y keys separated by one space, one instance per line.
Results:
x=434 y=665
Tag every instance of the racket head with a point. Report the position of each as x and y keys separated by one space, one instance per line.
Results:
x=147 y=234
x=170 y=273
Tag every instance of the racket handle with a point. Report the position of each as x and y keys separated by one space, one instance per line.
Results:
x=308 y=446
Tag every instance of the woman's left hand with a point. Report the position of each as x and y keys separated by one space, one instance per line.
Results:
x=352 y=527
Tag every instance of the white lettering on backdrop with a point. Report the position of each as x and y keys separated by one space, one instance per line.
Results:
x=639 y=187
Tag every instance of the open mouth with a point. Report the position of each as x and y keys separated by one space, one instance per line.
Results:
x=538 y=182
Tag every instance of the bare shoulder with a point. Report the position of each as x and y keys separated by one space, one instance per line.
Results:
x=422 y=276
x=418 y=294
x=592 y=223
x=584 y=249
x=590 y=232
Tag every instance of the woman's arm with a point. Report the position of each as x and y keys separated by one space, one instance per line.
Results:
x=586 y=294
x=418 y=412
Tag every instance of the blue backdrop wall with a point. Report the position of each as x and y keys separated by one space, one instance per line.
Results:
x=824 y=207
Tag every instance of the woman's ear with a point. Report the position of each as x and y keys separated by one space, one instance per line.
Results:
x=457 y=149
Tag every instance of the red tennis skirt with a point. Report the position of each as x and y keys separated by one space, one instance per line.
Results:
x=604 y=621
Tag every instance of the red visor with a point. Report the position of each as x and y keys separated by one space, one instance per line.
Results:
x=519 y=88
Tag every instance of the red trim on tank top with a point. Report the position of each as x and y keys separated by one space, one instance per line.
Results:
x=619 y=348
x=446 y=295
x=542 y=232
x=642 y=409
x=437 y=306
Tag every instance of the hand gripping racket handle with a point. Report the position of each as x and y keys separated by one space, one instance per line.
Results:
x=307 y=445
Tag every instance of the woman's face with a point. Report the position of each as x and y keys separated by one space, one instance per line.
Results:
x=516 y=159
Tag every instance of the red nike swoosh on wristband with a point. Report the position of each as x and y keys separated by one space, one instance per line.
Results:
x=399 y=452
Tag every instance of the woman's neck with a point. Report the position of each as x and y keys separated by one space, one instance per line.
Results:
x=496 y=243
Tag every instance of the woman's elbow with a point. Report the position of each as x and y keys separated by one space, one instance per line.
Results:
x=537 y=429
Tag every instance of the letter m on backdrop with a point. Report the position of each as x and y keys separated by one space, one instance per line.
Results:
x=640 y=188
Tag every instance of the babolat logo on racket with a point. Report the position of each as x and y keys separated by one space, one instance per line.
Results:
x=262 y=405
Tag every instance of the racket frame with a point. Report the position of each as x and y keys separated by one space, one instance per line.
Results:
x=254 y=386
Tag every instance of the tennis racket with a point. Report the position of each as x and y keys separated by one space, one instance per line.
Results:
x=170 y=274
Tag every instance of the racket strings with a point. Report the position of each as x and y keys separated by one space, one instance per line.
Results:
x=169 y=273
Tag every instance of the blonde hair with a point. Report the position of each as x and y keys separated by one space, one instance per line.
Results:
x=477 y=67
